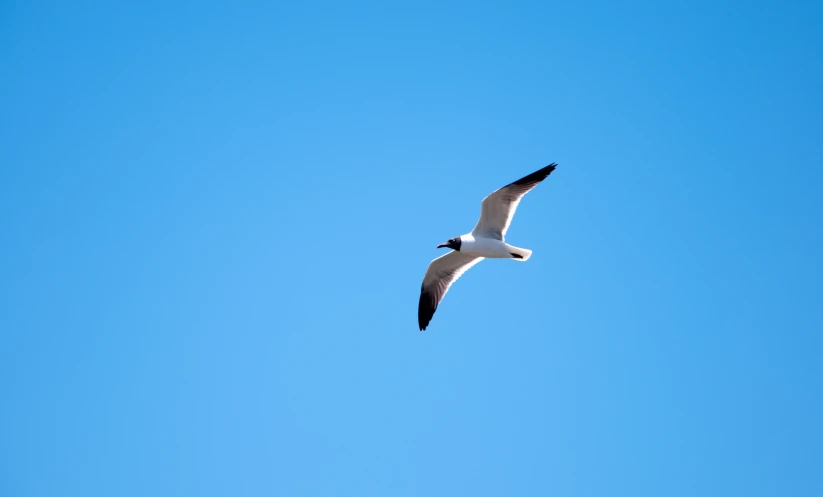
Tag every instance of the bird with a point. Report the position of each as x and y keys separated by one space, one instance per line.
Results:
x=486 y=240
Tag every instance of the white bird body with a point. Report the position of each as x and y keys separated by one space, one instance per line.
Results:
x=491 y=248
x=486 y=240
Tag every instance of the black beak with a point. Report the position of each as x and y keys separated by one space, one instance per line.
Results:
x=442 y=245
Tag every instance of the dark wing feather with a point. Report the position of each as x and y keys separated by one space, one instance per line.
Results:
x=498 y=208
x=440 y=275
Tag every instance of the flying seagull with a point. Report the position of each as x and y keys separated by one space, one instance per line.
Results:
x=487 y=239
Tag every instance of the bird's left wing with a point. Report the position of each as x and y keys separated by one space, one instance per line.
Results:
x=498 y=208
x=442 y=272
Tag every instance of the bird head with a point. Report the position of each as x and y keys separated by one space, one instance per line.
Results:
x=453 y=243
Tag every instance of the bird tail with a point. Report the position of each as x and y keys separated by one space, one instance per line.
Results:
x=519 y=254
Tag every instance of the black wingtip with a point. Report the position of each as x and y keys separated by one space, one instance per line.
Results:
x=537 y=176
x=426 y=308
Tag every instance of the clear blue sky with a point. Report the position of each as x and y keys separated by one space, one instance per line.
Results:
x=215 y=219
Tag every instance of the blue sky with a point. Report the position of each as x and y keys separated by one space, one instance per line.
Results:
x=216 y=218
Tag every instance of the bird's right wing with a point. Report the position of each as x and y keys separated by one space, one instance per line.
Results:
x=498 y=208
x=442 y=272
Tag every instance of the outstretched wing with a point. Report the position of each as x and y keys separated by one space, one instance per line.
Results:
x=442 y=272
x=498 y=208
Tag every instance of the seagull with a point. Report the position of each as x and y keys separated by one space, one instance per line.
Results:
x=487 y=239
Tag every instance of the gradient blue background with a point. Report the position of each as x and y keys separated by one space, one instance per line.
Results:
x=215 y=220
